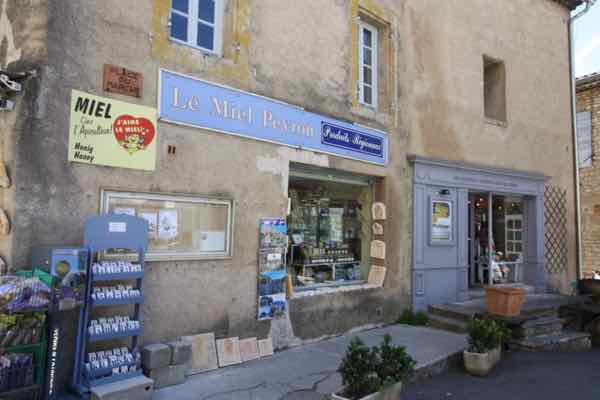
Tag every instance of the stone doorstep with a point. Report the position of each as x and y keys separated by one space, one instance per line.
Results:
x=565 y=341
x=448 y=324
x=540 y=326
x=137 y=388
x=450 y=311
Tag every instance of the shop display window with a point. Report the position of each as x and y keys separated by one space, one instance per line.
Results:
x=179 y=226
x=330 y=232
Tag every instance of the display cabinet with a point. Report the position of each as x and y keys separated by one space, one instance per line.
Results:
x=117 y=245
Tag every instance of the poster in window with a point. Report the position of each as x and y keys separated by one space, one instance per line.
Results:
x=152 y=218
x=167 y=224
x=441 y=221
x=124 y=211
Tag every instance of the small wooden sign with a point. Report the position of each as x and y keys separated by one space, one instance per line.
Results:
x=122 y=81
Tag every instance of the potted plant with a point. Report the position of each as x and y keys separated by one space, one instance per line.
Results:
x=485 y=343
x=374 y=373
x=504 y=301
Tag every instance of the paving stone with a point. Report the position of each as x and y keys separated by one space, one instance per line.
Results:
x=156 y=356
x=181 y=352
x=138 y=388
x=167 y=376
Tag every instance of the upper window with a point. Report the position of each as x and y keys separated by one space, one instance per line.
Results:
x=584 y=139
x=494 y=89
x=367 y=64
x=198 y=23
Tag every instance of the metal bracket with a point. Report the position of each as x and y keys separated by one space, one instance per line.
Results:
x=9 y=84
x=6 y=105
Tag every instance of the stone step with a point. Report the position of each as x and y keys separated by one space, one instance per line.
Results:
x=138 y=388
x=450 y=311
x=539 y=326
x=448 y=324
x=564 y=341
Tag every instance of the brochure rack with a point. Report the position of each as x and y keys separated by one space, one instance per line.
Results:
x=113 y=235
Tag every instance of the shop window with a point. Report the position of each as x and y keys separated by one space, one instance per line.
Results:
x=198 y=23
x=584 y=139
x=179 y=226
x=330 y=230
x=368 y=56
x=494 y=89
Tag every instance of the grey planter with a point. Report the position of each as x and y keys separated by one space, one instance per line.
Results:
x=480 y=364
x=389 y=393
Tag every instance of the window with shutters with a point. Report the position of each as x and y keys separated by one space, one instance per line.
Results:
x=585 y=152
x=198 y=23
x=367 y=64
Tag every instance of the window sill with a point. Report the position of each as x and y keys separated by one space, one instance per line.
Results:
x=201 y=50
x=371 y=113
x=318 y=291
x=496 y=122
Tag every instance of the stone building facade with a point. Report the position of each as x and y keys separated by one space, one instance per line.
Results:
x=432 y=97
x=588 y=121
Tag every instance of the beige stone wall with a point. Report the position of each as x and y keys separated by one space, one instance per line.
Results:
x=443 y=44
x=589 y=100
x=303 y=53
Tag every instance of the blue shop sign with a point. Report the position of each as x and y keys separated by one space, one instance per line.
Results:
x=190 y=101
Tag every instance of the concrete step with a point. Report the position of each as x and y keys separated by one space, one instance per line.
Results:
x=448 y=324
x=539 y=326
x=138 y=388
x=564 y=341
x=451 y=311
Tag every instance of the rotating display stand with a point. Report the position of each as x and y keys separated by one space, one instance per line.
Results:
x=116 y=244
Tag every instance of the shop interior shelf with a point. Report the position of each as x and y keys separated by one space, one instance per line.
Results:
x=118 y=302
x=123 y=276
x=110 y=336
x=326 y=263
x=328 y=284
x=21 y=347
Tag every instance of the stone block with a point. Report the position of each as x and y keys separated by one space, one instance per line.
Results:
x=138 y=388
x=156 y=356
x=265 y=347
x=204 y=353
x=167 y=376
x=228 y=351
x=249 y=349
x=181 y=352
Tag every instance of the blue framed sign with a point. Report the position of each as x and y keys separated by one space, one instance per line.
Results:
x=193 y=102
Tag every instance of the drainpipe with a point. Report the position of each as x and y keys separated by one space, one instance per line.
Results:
x=572 y=19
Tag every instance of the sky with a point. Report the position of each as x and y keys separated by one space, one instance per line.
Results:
x=587 y=42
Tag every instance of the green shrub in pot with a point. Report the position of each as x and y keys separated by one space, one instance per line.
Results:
x=366 y=370
x=486 y=334
x=485 y=342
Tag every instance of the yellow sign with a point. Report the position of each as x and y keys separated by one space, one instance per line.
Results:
x=104 y=131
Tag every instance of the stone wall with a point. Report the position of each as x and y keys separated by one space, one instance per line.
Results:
x=589 y=100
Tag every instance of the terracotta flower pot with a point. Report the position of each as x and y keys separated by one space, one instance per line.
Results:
x=480 y=364
x=504 y=301
x=388 y=393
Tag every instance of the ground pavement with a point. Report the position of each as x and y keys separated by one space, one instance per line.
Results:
x=519 y=376
x=309 y=372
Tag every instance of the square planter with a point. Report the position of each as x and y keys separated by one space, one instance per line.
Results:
x=480 y=364
x=504 y=301
x=389 y=393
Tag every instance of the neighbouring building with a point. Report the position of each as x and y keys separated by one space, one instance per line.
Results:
x=454 y=115
x=588 y=145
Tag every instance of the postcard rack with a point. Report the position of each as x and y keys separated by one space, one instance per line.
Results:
x=117 y=244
